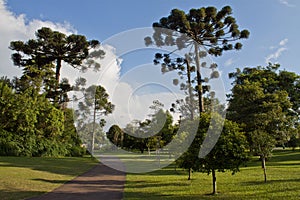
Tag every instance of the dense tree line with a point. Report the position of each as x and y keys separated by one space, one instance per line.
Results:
x=32 y=126
x=35 y=119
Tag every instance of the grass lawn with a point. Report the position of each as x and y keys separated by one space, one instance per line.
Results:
x=283 y=171
x=23 y=177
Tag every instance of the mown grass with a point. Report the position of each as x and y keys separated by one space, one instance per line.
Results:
x=24 y=177
x=283 y=182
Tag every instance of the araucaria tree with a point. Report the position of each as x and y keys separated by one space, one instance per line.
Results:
x=94 y=105
x=206 y=27
x=47 y=53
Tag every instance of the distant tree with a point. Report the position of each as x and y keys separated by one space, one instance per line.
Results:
x=48 y=51
x=115 y=135
x=294 y=142
x=207 y=27
x=94 y=105
x=134 y=136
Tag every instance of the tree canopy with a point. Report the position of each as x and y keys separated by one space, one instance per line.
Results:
x=39 y=57
x=205 y=27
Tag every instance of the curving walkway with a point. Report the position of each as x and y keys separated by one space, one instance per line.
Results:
x=101 y=182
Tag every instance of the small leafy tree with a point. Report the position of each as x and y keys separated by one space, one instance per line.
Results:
x=227 y=155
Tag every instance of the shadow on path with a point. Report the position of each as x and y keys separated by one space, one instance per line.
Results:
x=101 y=182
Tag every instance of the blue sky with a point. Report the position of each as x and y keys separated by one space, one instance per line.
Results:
x=273 y=24
x=270 y=22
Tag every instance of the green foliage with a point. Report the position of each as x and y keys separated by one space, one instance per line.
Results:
x=204 y=31
x=94 y=105
x=41 y=60
x=32 y=126
x=262 y=103
x=115 y=135
x=294 y=141
x=207 y=26
x=229 y=153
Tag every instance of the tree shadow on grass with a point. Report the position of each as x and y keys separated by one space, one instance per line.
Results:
x=14 y=195
x=63 y=166
x=159 y=196
x=144 y=184
x=269 y=182
x=50 y=181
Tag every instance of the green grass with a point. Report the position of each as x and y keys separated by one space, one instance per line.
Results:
x=23 y=177
x=283 y=171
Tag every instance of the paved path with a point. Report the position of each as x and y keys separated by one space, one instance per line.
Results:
x=101 y=182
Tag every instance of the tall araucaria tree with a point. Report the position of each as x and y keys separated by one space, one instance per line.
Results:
x=51 y=49
x=206 y=27
x=94 y=105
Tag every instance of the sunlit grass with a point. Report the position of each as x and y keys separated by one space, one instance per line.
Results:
x=23 y=177
x=283 y=182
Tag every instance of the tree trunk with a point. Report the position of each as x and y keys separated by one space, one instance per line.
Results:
x=58 y=67
x=189 y=178
x=263 y=165
x=199 y=80
x=191 y=107
x=214 y=181
x=94 y=124
x=57 y=77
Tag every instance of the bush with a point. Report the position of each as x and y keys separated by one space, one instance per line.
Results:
x=7 y=146
x=77 y=151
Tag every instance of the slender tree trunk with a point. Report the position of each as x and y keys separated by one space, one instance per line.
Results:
x=191 y=107
x=57 y=77
x=58 y=67
x=122 y=139
x=214 y=181
x=94 y=124
x=199 y=79
x=263 y=165
x=189 y=178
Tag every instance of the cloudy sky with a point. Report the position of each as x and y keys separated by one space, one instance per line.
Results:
x=273 y=25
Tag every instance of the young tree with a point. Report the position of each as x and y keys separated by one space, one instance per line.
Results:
x=204 y=27
x=227 y=155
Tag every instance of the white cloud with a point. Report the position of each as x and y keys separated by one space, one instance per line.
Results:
x=279 y=49
x=17 y=27
x=283 y=42
x=276 y=55
x=128 y=92
x=129 y=106
x=229 y=62
x=286 y=3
